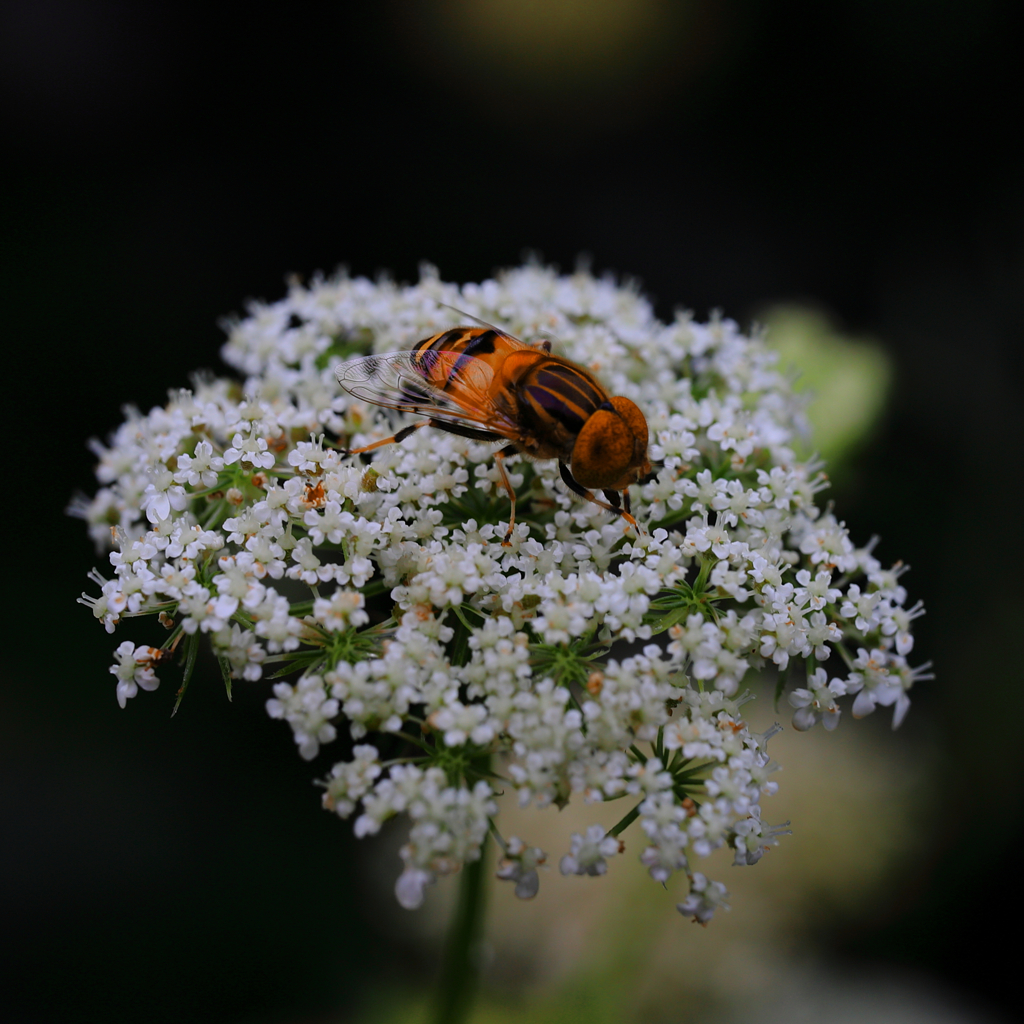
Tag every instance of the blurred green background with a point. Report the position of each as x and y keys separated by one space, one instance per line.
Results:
x=842 y=173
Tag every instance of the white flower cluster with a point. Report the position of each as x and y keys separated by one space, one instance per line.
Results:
x=463 y=667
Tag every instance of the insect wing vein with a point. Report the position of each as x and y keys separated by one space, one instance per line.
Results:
x=399 y=380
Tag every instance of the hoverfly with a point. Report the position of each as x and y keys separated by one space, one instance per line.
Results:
x=481 y=383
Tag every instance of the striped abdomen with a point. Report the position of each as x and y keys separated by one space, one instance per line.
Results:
x=555 y=398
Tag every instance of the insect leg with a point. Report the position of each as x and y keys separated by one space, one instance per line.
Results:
x=400 y=436
x=579 y=489
x=472 y=433
x=623 y=505
x=499 y=461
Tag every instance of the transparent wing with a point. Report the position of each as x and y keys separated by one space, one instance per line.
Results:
x=509 y=339
x=483 y=323
x=447 y=386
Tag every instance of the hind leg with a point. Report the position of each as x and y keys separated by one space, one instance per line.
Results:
x=400 y=436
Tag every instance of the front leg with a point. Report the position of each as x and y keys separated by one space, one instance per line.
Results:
x=499 y=461
x=578 y=488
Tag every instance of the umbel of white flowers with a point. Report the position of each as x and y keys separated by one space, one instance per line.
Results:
x=463 y=668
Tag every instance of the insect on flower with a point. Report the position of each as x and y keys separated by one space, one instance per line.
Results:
x=481 y=383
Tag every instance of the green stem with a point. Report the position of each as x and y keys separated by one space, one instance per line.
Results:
x=461 y=971
x=625 y=822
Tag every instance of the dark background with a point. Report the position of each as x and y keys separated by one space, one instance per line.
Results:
x=166 y=162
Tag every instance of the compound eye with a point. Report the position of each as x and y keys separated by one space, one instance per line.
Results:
x=634 y=419
x=603 y=450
